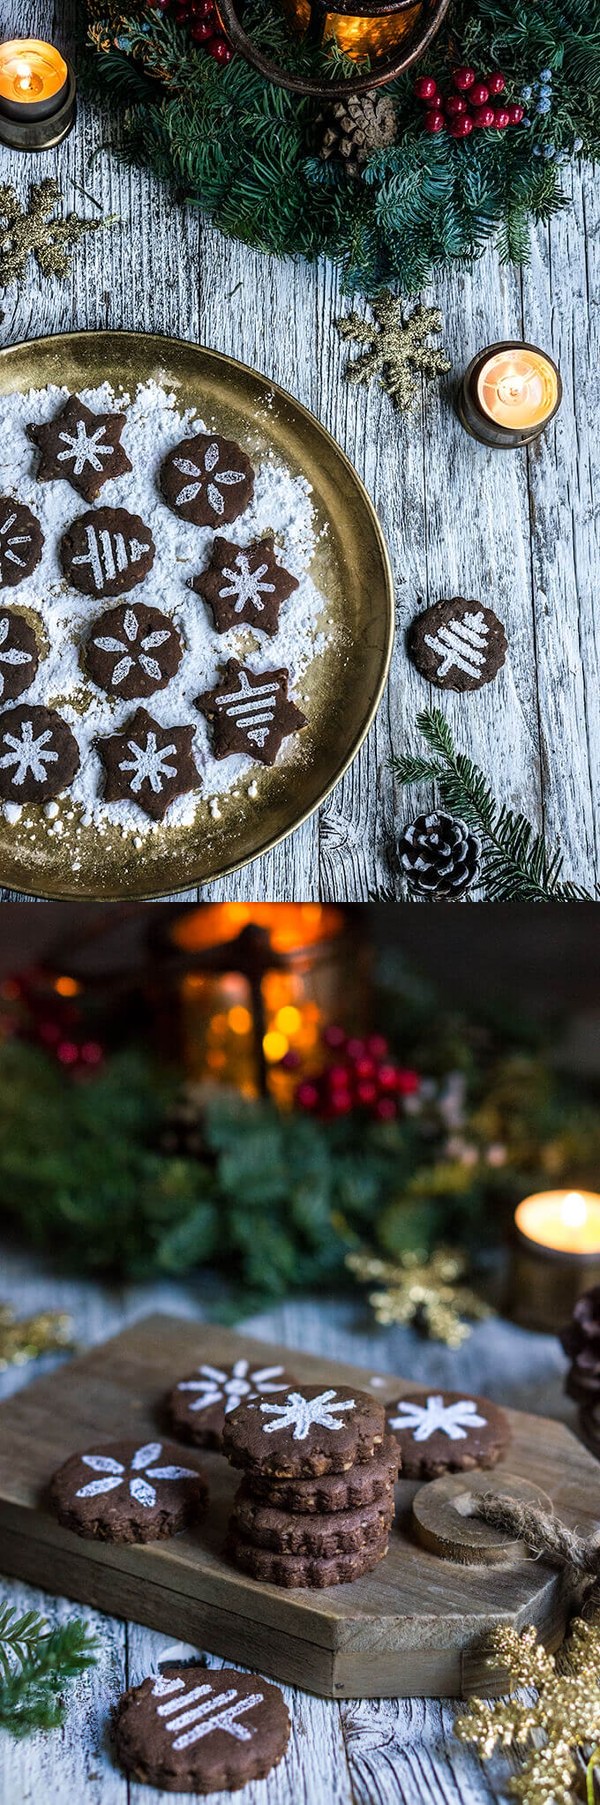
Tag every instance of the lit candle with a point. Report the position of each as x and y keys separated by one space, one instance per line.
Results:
x=568 y=1221
x=556 y=1255
x=509 y=394
x=37 y=94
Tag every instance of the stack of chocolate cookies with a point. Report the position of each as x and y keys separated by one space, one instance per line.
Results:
x=316 y=1503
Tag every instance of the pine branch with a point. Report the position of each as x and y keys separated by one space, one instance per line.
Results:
x=35 y=1665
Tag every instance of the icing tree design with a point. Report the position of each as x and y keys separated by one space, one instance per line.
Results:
x=10 y=654
x=230 y=1385
x=249 y=713
x=115 y=1473
x=245 y=584
x=8 y=541
x=203 y=1709
x=302 y=1414
x=28 y=754
x=252 y=707
x=84 y=448
x=108 y=555
x=143 y=648
x=436 y=1417
x=460 y=645
x=149 y=763
x=207 y=479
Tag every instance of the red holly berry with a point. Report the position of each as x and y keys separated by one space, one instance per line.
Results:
x=91 y=1052
x=202 y=30
x=515 y=113
x=387 y=1077
x=434 y=122
x=407 y=1081
x=307 y=1096
x=463 y=78
x=478 y=95
x=355 y=1048
x=461 y=127
x=377 y=1046
x=290 y=1062
x=425 y=87
x=386 y=1109
x=341 y=1104
x=67 y=1052
x=366 y=1093
x=484 y=116
x=334 y=1037
x=220 y=50
x=365 y=1068
x=454 y=106
x=338 y=1077
x=495 y=83
x=501 y=118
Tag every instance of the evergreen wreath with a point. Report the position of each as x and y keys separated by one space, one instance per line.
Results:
x=247 y=152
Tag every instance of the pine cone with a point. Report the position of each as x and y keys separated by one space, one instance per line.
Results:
x=439 y=857
x=581 y=1341
x=355 y=128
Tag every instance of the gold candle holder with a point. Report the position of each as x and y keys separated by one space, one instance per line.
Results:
x=38 y=95
x=509 y=394
x=555 y=1256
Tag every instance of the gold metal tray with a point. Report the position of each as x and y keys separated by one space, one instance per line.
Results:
x=350 y=567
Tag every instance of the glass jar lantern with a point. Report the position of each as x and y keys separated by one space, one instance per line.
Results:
x=392 y=34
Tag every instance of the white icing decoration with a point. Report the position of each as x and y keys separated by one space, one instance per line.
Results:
x=11 y=539
x=224 y=478
x=252 y=707
x=149 y=762
x=229 y=1385
x=128 y=660
x=28 y=754
x=117 y=1474
x=460 y=645
x=436 y=1417
x=301 y=1413
x=84 y=448
x=202 y=1710
x=109 y=554
x=11 y=655
x=245 y=584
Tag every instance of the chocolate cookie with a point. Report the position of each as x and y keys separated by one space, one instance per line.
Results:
x=106 y=551
x=199 y=1729
x=305 y=1569
x=316 y=1429
x=82 y=447
x=340 y=1533
x=19 y=657
x=38 y=754
x=133 y=650
x=199 y=1404
x=21 y=541
x=245 y=584
x=446 y=1432
x=367 y=1484
x=148 y=764
x=250 y=712
x=123 y=1492
x=457 y=644
x=207 y=479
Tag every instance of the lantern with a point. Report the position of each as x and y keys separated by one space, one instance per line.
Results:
x=392 y=34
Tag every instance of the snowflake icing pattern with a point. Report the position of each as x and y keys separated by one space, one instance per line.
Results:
x=84 y=448
x=246 y=584
x=301 y=1413
x=149 y=762
x=436 y=1417
x=209 y=476
x=28 y=754
x=229 y=1388
x=11 y=655
x=128 y=659
x=115 y=1473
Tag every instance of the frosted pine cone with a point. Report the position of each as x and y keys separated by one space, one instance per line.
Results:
x=439 y=857
x=581 y=1341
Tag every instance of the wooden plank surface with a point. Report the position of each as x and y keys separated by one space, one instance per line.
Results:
x=519 y=531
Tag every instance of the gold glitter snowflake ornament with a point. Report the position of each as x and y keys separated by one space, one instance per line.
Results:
x=395 y=348
x=427 y=1292
x=563 y=1718
x=30 y=231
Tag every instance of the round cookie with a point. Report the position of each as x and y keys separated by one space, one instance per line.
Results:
x=133 y=650
x=21 y=541
x=245 y=584
x=38 y=754
x=362 y=1485
x=303 y=1570
x=318 y=1429
x=82 y=447
x=19 y=657
x=340 y=1533
x=124 y=1491
x=207 y=479
x=447 y=1432
x=457 y=644
x=198 y=1405
x=199 y=1729
x=106 y=552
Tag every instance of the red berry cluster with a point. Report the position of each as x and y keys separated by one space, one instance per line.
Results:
x=204 y=24
x=362 y=1075
x=474 y=103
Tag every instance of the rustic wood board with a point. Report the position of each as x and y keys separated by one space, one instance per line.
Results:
x=414 y=1626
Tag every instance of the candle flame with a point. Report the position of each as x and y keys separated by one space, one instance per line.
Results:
x=574 y=1210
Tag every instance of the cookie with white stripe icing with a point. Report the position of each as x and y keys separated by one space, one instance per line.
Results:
x=457 y=644
x=251 y=712
x=199 y=1729
x=447 y=1432
x=106 y=552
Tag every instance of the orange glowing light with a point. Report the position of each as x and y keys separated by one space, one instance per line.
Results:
x=518 y=387
x=274 y=1045
x=292 y=926
x=239 y=1020
x=67 y=987
x=567 y=1221
x=31 y=70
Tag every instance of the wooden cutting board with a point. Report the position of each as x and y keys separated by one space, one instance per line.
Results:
x=414 y=1627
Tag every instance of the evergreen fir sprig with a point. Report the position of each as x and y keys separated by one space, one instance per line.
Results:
x=516 y=864
x=36 y=1663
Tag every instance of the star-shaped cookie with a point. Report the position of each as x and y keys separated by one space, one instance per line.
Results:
x=244 y=584
x=81 y=447
x=148 y=764
x=250 y=712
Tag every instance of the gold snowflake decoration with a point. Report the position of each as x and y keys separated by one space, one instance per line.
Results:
x=30 y=231
x=428 y=1293
x=396 y=348
x=32 y=1336
x=564 y=1717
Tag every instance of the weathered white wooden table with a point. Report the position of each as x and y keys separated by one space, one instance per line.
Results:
x=393 y=1752
x=518 y=530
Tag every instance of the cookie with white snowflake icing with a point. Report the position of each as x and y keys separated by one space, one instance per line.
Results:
x=207 y=479
x=19 y=656
x=199 y=1404
x=106 y=552
x=245 y=585
x=82 y=448
x=133 y=650
x=148 y=764
x=447 y=1432
x=39 y=754
x=128 y=1491
x=21 y=541
x=199 y=1729
x=311 y=1429
x=251 y=712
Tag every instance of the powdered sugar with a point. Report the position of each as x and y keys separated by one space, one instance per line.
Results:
x=281 y=504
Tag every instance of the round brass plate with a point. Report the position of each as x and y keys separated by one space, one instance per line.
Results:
x=350 y=567
x=443 y=1518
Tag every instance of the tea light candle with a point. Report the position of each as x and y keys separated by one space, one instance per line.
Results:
x=509 y=394
x=37 y=94
x=556 y=1255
